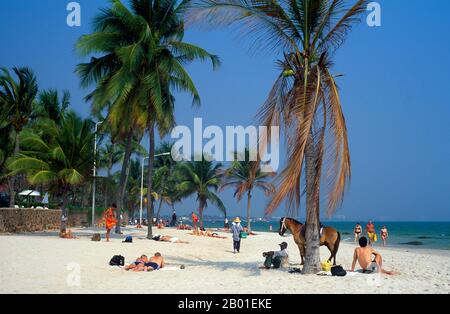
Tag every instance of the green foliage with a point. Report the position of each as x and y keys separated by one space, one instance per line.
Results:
x=59 y=156
x=203 y=179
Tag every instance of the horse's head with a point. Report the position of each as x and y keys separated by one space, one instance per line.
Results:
x=283 y=227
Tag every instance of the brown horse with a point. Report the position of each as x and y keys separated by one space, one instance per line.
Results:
x=329 y=237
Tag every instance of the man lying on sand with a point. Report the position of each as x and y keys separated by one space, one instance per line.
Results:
x=137 y=265
x=156 y=262
x=363 y=255
x=168 y=239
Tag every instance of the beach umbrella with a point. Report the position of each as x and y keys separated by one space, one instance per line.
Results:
x=45 y=199
x=30 y=193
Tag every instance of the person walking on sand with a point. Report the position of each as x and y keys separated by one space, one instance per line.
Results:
x=236 y=228
x=194 y=220
x=110 y=220
x=384 y=235
x=370 y=232
x=357 y=232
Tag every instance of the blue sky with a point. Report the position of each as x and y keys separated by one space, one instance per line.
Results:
x=395 y=93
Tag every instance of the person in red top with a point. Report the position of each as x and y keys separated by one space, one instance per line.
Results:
x=370 y=232
x=110 y=220
x=194 y=220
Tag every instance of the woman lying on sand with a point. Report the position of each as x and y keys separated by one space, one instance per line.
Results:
x=138 y=264
x=168 y=239
x=206 y=233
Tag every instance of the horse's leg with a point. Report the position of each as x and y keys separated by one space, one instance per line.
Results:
x=302 y=253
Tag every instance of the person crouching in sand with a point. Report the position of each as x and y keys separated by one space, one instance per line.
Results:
x=275 y=259
x=363 y=255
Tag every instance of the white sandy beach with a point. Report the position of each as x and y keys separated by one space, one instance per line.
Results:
x=38 y=263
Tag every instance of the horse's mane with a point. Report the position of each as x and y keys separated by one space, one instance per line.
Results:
x=295 y=220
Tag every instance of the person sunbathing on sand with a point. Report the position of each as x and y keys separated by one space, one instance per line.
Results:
x=155 y=263
x=138 y=265
x=168 y=239
x=363 y=255
x=207 y=233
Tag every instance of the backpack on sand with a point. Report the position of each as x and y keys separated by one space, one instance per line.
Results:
x=117 y=260
x=128 y=239
x=338 y=271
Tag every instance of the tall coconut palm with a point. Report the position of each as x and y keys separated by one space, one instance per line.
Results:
x=203 y=179
x=57 y=156
x=245 y=176
x=143 y=63
x=305 y=98
x=17 y=98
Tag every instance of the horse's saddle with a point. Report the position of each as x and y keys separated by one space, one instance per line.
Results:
x=303 y=230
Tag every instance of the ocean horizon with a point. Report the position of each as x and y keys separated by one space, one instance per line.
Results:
x=406 y=234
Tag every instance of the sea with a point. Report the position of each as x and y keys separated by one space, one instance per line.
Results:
x=425 y=235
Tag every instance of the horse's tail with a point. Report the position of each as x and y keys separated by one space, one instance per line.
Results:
x=336 y=245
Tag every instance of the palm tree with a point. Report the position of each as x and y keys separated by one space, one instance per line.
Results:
x=57 y=156
x=305 y=98
x=17 y=99
x=203 y=179
x=143 y=62
x=49 y=105
x=109 y=156
x=163 y=178
x=245 y=176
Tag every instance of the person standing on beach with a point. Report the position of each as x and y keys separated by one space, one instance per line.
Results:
x=236 y=228
x=384 y=235
x=357 y=231
x=110 y=220
x=370 y=232
x=173 y=223
x=194 y=220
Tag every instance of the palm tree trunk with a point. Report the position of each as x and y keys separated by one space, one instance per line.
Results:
x=201 y=209
x=151 y=156
x=159 y=210
x=123 y=178
x=64 y=212
x=107 y=186
x=312 y=237
x=249 y=198
x=12 y=180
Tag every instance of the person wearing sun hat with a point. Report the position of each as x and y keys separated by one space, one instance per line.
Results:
x=236 y=228
x=275 y=259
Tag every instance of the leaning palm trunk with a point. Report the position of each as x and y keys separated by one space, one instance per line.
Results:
x=123 y=179
x=159 y=210
x=151 y=156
